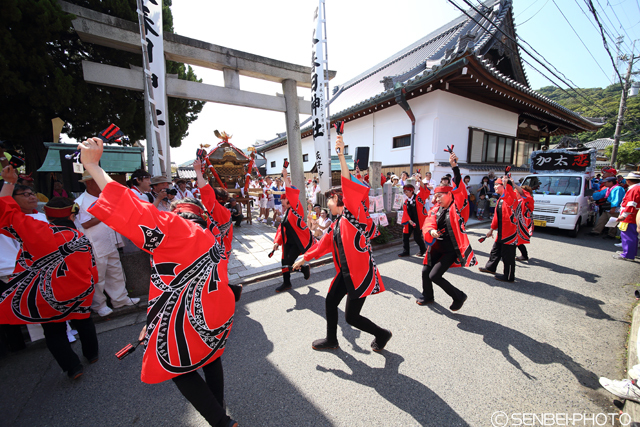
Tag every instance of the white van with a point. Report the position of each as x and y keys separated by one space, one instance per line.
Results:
x=562 y=198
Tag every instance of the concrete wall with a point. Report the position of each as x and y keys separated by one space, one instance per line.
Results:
x=442 y=119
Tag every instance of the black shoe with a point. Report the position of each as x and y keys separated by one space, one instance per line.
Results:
x=325 y=344
x=423 y=301
x=378 y=344
x=237 y=291
x=503 y=278
x=93 y=359
x=232 y=423
x=421 y=254
x=457 y=305
x=76 y=372
x=521 y=259
x=404 y=254
x=306 y=271
x=238 y=225
x=486 y=270
x=283 y=287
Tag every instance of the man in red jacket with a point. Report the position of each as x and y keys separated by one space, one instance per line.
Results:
x=293 y=234
x=413 y=214
x=445 y=227
x=628 y=219
x=505 y=222
x=357 y=275
x=54 y=277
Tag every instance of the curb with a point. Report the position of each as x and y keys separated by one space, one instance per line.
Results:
x=630 y=407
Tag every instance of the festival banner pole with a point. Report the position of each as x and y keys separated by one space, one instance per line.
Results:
x=319 y=118
x=150 y=22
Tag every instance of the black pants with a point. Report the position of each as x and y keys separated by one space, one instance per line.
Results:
x=206 y=395
x=506 y=253
x=433 y=274
x=55 y=335
x=351 y=312
x=523 y=251
x=290 y=252
x=11 y=335
x=237 y=218
x=417 y=236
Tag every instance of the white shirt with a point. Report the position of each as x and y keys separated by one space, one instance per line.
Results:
x=181 y=195
x=140 y=194
x=162 y=206
x=325 y=223
x=9 y=249
x=103 y=239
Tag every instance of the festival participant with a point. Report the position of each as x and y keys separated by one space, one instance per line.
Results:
x=357 y=275
x=608 y=199
x=140 y=184
x=158 y=195
x=182 y=190
x=54 y=277
x=525 y=224
x=445 y=223
x=191 y=306
x=628 y=219
x=413 y=214
x=292 y=234
x=505 y=222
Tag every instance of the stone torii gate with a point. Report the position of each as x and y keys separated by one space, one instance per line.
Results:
x=106 y=30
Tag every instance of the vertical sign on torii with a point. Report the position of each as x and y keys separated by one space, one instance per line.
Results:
x=319 y=118
x=150 y=21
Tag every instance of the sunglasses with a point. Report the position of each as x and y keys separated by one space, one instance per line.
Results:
x=26 y=194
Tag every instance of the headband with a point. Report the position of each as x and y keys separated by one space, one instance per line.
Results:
x=409 y=187
x=191 y=208
x=52 y=212
x=499 y=181
x=443 y=189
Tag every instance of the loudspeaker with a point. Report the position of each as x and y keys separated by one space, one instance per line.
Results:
x=362 y=157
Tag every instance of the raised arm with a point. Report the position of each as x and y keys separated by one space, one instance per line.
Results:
x=284 y=178
x=90 y=154
x=344 y=169
x=10 y=178
x=453 y=161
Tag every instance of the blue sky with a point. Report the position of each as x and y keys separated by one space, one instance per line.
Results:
x=364 y=33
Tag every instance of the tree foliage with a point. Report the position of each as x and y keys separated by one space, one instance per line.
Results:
x=41 y=77
x=597 y=102
x=628 y=153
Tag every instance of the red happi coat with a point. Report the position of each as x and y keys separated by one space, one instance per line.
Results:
x=293 y=217
x=55 y=271
x=505 y=219
x=630 y=204
x=458 y=216
x=421 y=199
x=349 y=241
x=191 y=306
x=525 y=218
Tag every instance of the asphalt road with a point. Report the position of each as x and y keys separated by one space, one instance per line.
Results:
x=536 y=346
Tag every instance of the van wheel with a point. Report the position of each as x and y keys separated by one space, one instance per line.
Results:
x=576 y=229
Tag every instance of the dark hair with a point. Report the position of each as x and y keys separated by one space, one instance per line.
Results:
x=188 y=215
x=485 y=177
x=329 y=194
x=465 y=177
x=221 y=195
x=19 y=187
x=62 y=202
x=137 y=176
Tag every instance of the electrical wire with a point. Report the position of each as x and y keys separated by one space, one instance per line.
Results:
x=533 y=16
x=604 y=40
x=581 y=41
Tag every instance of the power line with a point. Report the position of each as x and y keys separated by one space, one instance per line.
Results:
x=612 y=24
x=581 y=41
x=532 y=16
x=604 y=40
x=616 y=15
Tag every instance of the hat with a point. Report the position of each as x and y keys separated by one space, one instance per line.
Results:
x=633 y=175
x=231 y=200
x=160 y=179
x=610 y=179
x=86 y=176
x=610 y=170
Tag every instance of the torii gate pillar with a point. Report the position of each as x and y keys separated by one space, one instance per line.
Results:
x=294 y=142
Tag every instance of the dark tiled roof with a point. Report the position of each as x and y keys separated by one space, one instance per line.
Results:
x=497 y=168
x=450 y=47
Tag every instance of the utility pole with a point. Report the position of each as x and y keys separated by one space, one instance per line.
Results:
x=623 y=104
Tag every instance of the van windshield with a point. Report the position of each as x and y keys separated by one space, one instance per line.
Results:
x=560 y=185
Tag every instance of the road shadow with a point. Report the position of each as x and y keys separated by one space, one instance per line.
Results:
x=251 y=379
x=500 y=337
x=315 y=303
x=401 y=289
x=402 y=391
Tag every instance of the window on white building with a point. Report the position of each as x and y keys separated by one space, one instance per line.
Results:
x=273 y=164
x=305 y=157
x=402 y=141
x=346 y=150
x=490 y=148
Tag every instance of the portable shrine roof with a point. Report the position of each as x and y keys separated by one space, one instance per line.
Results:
x=472 y=56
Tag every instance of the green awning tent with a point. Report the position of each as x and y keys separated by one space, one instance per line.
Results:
x=115 y=158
